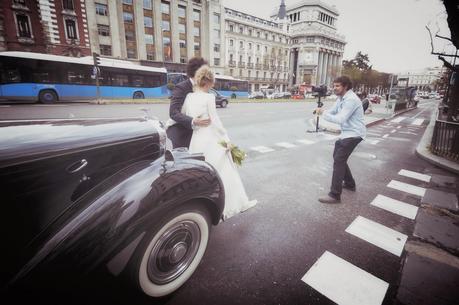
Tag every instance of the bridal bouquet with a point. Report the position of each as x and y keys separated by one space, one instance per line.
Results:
x=236 y=153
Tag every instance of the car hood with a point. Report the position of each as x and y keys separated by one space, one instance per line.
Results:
x=21 y=141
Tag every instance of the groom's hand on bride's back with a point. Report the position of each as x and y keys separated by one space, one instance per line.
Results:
x=201 y=122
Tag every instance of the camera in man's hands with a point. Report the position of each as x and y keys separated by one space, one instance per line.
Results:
x=320 y=91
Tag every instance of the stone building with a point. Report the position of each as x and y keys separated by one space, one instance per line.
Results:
x=45 y=26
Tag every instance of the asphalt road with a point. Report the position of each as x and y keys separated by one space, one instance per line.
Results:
x=261 y=255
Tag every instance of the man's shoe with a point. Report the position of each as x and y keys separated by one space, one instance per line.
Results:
x=329 y=199
x=347 y=187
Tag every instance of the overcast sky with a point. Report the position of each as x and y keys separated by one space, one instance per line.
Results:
x=391 y=32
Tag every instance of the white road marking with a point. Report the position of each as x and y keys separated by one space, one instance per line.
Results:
x=344 y=283
x=395 y=206
x=394 y=130
x=378 y=235
x=399 y=119
x=398 y=127
x=375 y=142
x=285 y=145
x=418 y=122
x=415 y=175
x=262 y=149
x=304 y=141
x=408 y=188
x=385 y=136
x=373 y=134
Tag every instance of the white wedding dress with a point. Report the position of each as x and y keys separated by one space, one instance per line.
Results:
x=207 y=140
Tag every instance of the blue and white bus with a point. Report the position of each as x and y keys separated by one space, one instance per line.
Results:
x=225 y=85
x=50 y=78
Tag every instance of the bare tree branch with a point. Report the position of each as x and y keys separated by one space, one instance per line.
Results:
x=443 y=37
x=432 y=46
x=448 y=65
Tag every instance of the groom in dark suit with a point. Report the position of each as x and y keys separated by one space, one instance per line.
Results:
x=180 y=127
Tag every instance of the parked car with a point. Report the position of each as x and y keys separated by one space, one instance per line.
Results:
x=276 y=95
x=374 y=98
x=84 y=199
x=220 y=100
x=297 y=97
x=256 y=95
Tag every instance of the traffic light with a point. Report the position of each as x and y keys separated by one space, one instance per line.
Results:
x=96 y=58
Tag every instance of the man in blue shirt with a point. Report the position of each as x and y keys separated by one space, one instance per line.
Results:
x=348 y=113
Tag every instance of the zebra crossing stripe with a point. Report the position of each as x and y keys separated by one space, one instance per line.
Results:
x=262 y=149
x=285 y=145
x=395 y=206
x=394 y=130
x=408 y=188
x=399 y=119
x=378 y=235
x=418 y=122
x=344 y=283
x=304 y=141
x=414 y=175
x=398 y=127
x=374 y=142
x=385 y=136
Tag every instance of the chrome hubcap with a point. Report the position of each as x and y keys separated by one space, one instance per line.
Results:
x=173 y=252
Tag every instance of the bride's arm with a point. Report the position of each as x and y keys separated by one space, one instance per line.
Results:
x=214 y=118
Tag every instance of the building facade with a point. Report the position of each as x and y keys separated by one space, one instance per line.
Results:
x=316 y=48
x=424 y=80
x=46 y=26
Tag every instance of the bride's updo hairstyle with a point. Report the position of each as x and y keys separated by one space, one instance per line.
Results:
x=204 y=76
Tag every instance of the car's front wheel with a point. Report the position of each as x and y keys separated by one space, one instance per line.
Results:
x=174 y=251
x=224 y=104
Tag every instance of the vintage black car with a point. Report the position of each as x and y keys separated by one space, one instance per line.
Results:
x=92 y=197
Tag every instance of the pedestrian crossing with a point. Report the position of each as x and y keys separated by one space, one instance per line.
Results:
x=346 y=283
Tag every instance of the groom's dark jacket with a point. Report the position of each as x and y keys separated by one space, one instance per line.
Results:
x=180 y=133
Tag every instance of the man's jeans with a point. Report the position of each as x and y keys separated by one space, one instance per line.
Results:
x=341 y=171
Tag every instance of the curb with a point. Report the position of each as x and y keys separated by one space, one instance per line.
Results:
x=423 y=152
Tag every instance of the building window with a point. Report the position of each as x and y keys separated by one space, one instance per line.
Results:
x=231 y=28
x=67 y=5
x=196 y=32
x=216 y=19
x=216 y=47
x=197 y=46
x=131 y=53
x=181 y=28
x=258 y=47
x=250 y=32
x=105 y=50
x=217 y=35
x=150 y=55
x=165 y=8
x=127 y=2
x=183 y=60
x=196 y=15
x=258 y=34
x=182 y=11
x=149 y=39
x=241 y=44
x=103 y=30
x=266 y=49
x=167 y=49
x=216 y=61
x=70 y=27
x=266 y=36
x=231 y=43
x=101 y=9
x=24 y=29
x=22 y=2
x=250 y=46
x=241 y=30
x=130 y=36
x=147 y=4
x=128 y=17
x=249 y=60
x=166 y=25
x=148 y=22
x=182 y=44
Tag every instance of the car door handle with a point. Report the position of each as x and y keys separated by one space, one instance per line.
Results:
x=77 y=166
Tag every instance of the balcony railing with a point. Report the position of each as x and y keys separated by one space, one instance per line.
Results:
x=241 y=64
x=445 y=140
x=250 y=65
x=258 y=66
x=232 y=63
x=265 y=67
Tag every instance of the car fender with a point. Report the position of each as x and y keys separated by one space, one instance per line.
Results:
x=116 y=214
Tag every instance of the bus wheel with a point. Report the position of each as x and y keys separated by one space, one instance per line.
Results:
x=233 y=96
x=47 y=97
x=138 y=95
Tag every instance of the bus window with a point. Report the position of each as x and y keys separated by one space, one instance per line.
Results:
x=75 y=77
x=120 y=80
x=137 y=81
x=12 y=76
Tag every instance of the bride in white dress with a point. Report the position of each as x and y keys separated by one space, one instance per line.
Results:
x=207 y=140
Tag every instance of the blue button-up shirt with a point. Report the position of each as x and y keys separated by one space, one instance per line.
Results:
x=348 y=113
